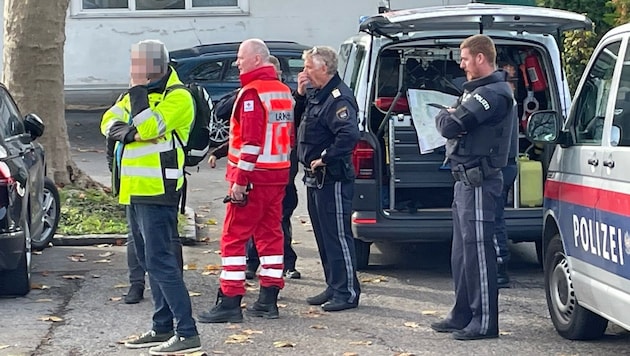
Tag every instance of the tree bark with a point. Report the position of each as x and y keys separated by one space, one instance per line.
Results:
x=34 y=36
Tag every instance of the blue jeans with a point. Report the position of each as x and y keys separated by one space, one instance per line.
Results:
x=500 y=231
x=136 y=272
x=153 y=227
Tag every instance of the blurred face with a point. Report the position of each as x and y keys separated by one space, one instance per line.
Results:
x=316 y=73
x=246 y=60
x=470 y=64
x=143 y=67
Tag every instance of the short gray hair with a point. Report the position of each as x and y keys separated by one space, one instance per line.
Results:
x=323 y=55
x=155 y=50
x=259 y=47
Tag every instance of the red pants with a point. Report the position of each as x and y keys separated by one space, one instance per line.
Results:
x=260 y=218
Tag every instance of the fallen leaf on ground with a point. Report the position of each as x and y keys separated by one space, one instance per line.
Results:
x=318 y=327
x=103 y=245
x=243 y=305
x=105 y=260
x=50 y=318
x=280 y=305
x=350 y=354
x=211 y=222
x=213 y=268
x=36 y=252
x=283 y=344
x=218 y=352
x=505 y=333
x=411 y=324
x=251 y=289
x=200 y=226
x=208 y=251
x=115 y=299
x=2 y=347
x=128 y=338
x=429 y=312
x=218 y=252
x=233 y=326
x=313 y=312
x=209 y=273
x=72 y=276
x=237 y=339
x=190 y=267
x=118 y=286
x=77 y=259
x=404 y=354
x=295 y=242
x=366 y=342
x=39 y=286
x=45 y=273
x=44 y=300
x=96 y=276
x=378 y=279
x=106 y=254
x=194 y=294
x=251 y=332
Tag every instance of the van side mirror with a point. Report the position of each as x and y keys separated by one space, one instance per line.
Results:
x=543 y=126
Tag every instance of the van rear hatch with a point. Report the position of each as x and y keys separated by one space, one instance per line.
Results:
x=477 y=17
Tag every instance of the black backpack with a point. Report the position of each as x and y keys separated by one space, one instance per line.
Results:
x=199 y=139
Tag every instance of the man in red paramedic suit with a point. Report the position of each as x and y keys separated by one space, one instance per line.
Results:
x=261 y=138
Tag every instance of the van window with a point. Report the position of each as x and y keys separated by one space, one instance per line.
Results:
x=621 y=116
x=350 y=63
x=590 y=105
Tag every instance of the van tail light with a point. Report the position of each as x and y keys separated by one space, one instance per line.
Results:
x=363 y=160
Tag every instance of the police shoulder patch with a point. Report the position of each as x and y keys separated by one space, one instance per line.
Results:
x=342 y=113
x=248 y=105
x=336 y=93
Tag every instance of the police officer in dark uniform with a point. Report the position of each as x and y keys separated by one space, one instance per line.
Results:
x=478 y=129
x=327 y=135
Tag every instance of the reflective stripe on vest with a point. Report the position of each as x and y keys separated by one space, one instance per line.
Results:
x=276 y=148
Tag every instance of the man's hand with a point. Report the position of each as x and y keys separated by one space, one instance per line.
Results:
x=137 y=138
x=317 y=163
x=302 y=80
x=212 y=161
x=238 y=192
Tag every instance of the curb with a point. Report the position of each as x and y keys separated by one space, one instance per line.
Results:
x=190 y=233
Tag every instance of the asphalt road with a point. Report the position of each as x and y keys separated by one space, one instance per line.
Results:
x=404 y=290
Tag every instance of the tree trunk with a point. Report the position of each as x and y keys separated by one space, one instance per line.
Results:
x=34 y=36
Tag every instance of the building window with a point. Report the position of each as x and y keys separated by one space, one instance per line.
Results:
x=155 y=7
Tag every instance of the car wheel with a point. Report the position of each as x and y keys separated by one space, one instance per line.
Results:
x=17 y=282
x=52 y=214
x=572 y=321
x=362 y=250
x=219 y=131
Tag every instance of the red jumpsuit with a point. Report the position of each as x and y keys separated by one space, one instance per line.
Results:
x=261 y=139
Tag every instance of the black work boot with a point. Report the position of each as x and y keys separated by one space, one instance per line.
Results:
x=321 y=298
x=227 y=309
x=266 y=306
x=503 y=280
x=135 y=294
x=250 y=272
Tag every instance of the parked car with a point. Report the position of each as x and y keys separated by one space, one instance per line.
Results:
x=402 y=60
x=29 y=202
x=213 y=66
x=586 y=236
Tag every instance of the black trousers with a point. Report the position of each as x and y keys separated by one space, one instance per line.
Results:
x=474 y=259
x=329 y=208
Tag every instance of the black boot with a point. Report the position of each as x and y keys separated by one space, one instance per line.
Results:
x=227 y=309
x=135 y=294
x=503 y=280
x=266 y=306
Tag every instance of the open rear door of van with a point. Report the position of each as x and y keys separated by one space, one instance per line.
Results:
x=477 y=17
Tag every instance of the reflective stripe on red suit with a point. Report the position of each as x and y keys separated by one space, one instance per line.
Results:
x=261 y=138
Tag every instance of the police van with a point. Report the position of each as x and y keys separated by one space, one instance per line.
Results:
x=402 y=66
x=586 y=236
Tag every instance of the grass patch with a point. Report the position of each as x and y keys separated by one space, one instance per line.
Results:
x=93 y=211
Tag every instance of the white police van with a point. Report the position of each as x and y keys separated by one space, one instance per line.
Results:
x=401 y=61
x=586 y=236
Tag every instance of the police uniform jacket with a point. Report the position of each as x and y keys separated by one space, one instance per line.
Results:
x=328 y=127
x=482 y=124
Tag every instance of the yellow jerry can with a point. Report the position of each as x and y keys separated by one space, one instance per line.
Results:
x=530 y=178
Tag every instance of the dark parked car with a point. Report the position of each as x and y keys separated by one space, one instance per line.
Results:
x=213 y=66
x=29 y=202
